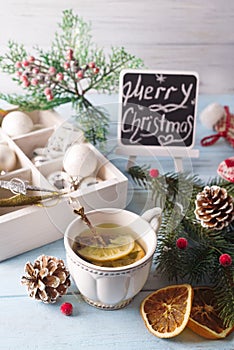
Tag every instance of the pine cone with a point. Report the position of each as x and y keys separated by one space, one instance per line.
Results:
x=47 y=279
x=214 y=207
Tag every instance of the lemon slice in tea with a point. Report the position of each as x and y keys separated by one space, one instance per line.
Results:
x=118 y=247
x=136 y=254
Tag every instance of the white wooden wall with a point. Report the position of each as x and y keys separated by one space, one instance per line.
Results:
x=168 y=34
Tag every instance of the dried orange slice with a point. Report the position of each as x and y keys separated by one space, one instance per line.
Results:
x=166 y=311
x=204 y=319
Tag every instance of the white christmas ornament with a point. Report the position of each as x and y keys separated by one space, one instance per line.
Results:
x=17 y=123
x=8 y=158
x=79 y=160
x=212 y=114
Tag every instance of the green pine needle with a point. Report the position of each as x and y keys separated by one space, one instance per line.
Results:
x=198 y=264
x=139 y=175
x=224 y=292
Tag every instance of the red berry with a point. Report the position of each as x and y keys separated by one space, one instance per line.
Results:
x=34 y=81
x=24 y=78
x=18 y=73
x=31 y=59
x=26 y=83
x=182 y=243
x=69 y=54
x=66 y=65
x=225 y=260
x=60 y=76
x=18 y=64
x=47 y=91
x=91 y=65
x=153 y=173
x=80 y=74
x=96 y=70
x=25 y=63
x=50 y=97
x=35 y=70
x=52 y=70
x=66 y=309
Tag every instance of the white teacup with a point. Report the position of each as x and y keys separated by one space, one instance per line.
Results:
x=113 y=287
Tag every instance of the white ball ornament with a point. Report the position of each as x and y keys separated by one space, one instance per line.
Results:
x=79 y=160
x=17 y=123
x=8 y=158
x=212 y=114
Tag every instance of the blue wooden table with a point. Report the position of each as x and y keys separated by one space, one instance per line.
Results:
x=26 y=324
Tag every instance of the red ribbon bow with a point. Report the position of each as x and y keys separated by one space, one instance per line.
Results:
x=210 y=140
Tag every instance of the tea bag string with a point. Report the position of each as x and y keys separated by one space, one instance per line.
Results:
x=85 y=219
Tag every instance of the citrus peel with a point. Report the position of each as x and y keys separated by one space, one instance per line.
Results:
x=166 y=311
x=118 y=247
x=136 y=254
x=204 y=319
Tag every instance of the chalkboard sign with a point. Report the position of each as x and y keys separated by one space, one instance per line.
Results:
x=157 y=108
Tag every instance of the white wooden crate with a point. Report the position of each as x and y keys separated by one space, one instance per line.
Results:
x=25 y=228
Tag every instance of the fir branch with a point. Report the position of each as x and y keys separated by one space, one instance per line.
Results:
x=139 y=175
x=228 y=233
x=199 y=262
x=222 y=183
x=170 y=188
x=170 y=261
x=224 y=292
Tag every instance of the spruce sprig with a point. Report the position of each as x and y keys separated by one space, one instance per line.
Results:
x=198 y=264
x=139 y=175
x=224 y=292
x=168 y=189
x=74 y=35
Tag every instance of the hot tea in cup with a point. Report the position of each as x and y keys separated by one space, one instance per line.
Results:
x=114 y=246
x=112 y=267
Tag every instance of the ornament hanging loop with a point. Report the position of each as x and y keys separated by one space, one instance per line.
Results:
x=210 y=140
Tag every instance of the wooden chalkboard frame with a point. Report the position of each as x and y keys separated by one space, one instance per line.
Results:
x=187 y=93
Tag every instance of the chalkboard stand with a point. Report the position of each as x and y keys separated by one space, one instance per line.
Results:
x=176 y=154
x=157 y=111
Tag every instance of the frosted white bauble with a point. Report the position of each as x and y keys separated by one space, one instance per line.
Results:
x=212 y=114
x=79 y=160
x=8 y=158
x=17 y=123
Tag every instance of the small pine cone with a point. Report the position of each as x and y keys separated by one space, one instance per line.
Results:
x=47 y=279
x=214 y=207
